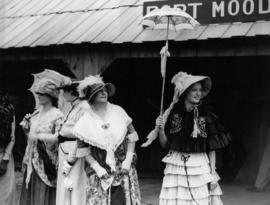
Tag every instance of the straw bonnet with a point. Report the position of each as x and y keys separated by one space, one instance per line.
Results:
x=47 y=87
x=90 y=85
x=183 y=81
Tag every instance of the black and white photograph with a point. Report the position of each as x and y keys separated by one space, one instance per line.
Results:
x=134 y=102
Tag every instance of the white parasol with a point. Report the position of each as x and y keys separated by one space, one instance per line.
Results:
x=170 y=19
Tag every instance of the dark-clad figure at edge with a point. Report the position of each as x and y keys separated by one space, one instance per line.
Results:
x=7 y=140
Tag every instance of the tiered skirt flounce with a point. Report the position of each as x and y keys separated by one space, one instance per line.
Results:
x=186 y=182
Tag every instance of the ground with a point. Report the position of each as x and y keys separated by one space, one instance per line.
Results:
x=234 y=193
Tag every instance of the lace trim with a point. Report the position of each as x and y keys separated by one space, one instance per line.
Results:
x=91 y=142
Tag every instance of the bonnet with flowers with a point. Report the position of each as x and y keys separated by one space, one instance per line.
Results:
x=196 y=131
x=90 y=85
x=182 y=81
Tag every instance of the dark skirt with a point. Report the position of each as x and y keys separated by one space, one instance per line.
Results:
x=38 y=193
x=117 y=195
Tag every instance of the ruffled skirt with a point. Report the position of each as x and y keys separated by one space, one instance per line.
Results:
x=186 y=180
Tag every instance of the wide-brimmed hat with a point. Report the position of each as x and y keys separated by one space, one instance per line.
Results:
x=47 y=87
x=183 y=81
x=90 y=85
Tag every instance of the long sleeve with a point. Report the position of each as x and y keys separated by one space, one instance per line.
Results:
x=132 y=138
x=76 y=112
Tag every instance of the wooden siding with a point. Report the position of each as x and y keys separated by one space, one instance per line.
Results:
x=88 y=59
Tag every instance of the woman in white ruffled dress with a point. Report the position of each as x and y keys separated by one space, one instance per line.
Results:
x=192 y=132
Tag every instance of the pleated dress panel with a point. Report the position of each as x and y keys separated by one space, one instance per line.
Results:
x=186 y=179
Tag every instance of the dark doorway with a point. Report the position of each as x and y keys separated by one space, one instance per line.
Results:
x=240 y=96
x=16 y=78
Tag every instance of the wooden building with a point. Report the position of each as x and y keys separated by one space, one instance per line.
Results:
x=83 y=37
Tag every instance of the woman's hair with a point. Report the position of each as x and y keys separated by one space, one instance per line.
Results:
x=180 y=105
x=4 y=99
x=72 y=90
x=87 y=92
x=92 y=98
x=54 y=101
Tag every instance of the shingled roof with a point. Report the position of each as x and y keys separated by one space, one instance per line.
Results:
x=30 y=23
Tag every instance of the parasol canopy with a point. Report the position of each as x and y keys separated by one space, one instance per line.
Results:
x=169 y=18
x=56 y=77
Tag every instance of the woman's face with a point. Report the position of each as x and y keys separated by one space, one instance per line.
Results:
x=68 y=97
x=194 y=93
x=101 y=96
x=43 y=99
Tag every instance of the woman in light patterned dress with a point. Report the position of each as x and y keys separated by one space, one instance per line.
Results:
x=41 y=154
x=192 y=132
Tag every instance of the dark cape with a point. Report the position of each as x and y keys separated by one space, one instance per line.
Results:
x=179 y=127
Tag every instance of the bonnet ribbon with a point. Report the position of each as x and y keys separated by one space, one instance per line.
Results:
x=196 y=130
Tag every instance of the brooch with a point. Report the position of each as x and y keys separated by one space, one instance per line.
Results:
x=105 y=126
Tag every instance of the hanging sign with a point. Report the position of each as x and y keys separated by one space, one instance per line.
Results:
x=217 y=11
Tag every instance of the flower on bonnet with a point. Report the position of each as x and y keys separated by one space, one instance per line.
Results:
x=88 y=81
x=183 y=81
x=179 y=80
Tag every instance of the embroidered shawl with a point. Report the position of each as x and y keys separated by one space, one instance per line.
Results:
x=212 y=134
x=106 y=134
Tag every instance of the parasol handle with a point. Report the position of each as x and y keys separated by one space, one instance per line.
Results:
x=164 y=77
x=162 y=94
